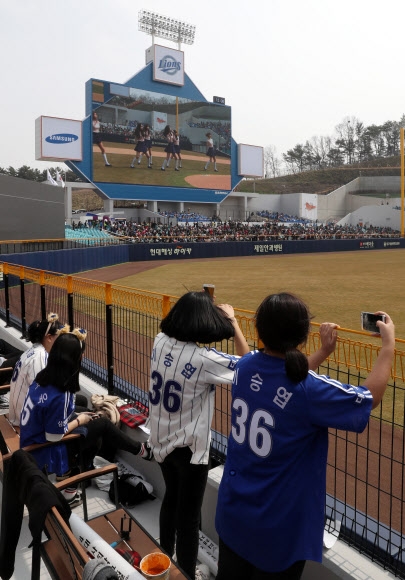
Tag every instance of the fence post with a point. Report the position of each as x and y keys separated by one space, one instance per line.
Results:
x=109 y=337
x=70 y=301
x=22 y=298
x=165 y=305
x=6 y=294
x=42 y=291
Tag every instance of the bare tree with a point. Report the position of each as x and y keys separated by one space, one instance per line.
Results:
x=272 y=165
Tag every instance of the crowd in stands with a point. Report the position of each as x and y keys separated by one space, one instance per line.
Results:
x=272 y=230
x=182 y=216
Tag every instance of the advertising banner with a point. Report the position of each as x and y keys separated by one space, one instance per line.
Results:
x=58 y=139
x=168 y=65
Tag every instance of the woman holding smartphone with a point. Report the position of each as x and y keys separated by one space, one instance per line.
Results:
x=270 y=512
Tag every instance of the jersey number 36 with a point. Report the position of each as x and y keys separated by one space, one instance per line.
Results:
x=169 y=392
x=255 y=428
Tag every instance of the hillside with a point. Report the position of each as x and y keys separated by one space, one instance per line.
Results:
x=322 y=181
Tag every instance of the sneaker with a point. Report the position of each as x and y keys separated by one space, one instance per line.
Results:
x=73 y=499
x=108 y=165
x=215 y=169
x=202 y=572
x=146 y=452
x=162 y=169
x=176 y=169
x=132 y=167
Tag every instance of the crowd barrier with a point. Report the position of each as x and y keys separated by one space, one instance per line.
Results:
x=73 y=256
x=365 y=476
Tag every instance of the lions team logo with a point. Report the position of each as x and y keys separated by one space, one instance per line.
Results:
x=169 y=65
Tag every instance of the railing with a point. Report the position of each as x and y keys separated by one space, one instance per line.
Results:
x=365 y=475
x=22 y=246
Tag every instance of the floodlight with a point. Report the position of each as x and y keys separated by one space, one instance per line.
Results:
x=165 y=27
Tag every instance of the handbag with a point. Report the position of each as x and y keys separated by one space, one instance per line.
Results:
x=134 y=414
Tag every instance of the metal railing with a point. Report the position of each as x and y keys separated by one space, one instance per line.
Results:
x=365 y=473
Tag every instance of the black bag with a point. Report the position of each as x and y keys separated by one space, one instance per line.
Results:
x=129 y=494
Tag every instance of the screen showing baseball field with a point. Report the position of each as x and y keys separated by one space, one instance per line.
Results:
x=149 y=138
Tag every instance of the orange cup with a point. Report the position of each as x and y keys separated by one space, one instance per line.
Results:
x=155 y=566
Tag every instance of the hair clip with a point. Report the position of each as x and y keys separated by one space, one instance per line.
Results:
x=63 y=329
x=81 y=333
x=52 y=317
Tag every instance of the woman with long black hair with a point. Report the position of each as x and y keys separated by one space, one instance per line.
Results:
x=48 y=413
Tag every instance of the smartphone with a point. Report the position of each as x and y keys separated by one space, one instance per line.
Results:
x=369 y=320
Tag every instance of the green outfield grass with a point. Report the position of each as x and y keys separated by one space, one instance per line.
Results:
x=121 y=172
x=337 y=286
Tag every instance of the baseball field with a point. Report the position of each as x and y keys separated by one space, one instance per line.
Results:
x=337 y=286
x=191 y=174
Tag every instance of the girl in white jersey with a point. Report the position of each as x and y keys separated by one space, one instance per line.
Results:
x=42 y=334
x=181 y=406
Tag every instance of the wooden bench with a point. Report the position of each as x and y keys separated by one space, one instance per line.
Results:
x=73 y=556
x=62 y=553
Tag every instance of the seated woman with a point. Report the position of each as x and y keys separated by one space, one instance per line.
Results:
x=48 y=413
x=42 y=334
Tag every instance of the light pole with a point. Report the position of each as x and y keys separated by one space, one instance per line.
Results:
x=168 y=28
x=165 y=27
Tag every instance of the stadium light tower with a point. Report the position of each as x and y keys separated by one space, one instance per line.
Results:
x=165 y=27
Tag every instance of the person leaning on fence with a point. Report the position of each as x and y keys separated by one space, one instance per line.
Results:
x=181 y=406
x=48 y=414
x=270 y=512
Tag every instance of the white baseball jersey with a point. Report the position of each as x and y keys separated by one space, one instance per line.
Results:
x=30 y=363
x=182 y=395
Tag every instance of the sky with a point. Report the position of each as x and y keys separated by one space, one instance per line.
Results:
x=290 y=69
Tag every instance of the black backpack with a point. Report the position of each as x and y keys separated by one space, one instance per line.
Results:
x=129 y=494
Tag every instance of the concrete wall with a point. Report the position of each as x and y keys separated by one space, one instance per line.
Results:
x=376 y=215
x=30 y=210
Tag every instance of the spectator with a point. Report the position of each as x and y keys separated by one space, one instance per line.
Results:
x=48 y=414
x=270 y=513
x=181 y=404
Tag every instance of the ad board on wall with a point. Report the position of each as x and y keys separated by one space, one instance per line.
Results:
x=57 y=139
x=309 y=206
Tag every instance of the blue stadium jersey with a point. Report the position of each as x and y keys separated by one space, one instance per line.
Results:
x=44 y=417
x=272 y=495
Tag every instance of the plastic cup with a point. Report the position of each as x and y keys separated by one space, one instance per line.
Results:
x=210 y=289
x=155 y=566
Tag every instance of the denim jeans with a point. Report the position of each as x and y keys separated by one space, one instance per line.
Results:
x=180 y=513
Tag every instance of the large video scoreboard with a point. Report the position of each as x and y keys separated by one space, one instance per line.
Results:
x=111 y=157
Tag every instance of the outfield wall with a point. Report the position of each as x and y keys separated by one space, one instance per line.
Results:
x=80 y=260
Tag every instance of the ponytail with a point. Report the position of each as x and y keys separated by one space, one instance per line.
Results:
x=296 y=365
